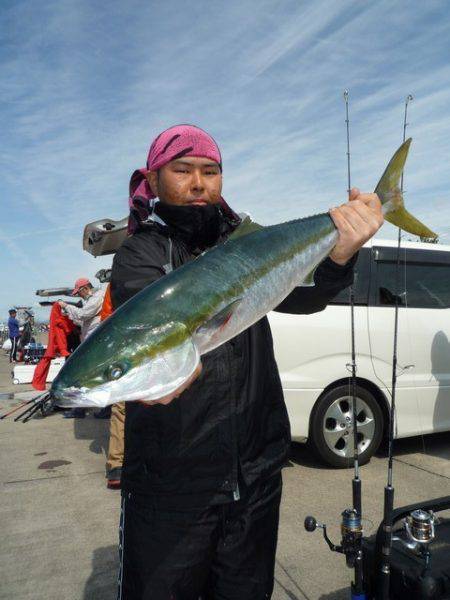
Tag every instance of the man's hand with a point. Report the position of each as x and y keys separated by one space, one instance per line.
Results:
x=356 y=221
x=62 y=303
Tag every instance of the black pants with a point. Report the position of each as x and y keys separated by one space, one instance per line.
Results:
x=224 y=552
x=14 y=348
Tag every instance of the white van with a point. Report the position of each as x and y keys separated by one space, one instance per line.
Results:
x=313 y=353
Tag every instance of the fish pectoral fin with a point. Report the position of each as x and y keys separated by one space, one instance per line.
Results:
x=219 y=320
x=309 y=280
x=245 y=227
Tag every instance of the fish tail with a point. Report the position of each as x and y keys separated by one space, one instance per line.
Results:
x=391 y=197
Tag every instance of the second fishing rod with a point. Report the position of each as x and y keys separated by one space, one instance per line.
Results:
x=385 y=568
x=352 y=518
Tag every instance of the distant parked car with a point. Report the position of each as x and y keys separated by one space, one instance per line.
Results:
x=313 y=352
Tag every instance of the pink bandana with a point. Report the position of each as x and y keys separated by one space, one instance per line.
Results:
x=177 y=141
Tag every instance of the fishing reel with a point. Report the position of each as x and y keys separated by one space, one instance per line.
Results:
x=419 y=568
x=418 y=533
x=351 y=532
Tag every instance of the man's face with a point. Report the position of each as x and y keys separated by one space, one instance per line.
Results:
x=84 y=292
x=13 y=314
x=187 y=181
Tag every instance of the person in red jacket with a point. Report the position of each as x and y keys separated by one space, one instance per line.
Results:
x=60 y=328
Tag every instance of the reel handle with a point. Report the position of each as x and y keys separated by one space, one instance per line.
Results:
x=311 y=524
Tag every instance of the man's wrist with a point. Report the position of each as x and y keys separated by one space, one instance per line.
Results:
x=332 y=267
x=341 y=262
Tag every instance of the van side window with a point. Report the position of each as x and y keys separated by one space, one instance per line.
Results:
x=360 y=283
x=421 y=285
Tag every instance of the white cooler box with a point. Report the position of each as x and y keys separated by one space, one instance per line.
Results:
x=24 y=373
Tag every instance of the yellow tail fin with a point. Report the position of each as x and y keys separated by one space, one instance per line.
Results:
x=391 y=198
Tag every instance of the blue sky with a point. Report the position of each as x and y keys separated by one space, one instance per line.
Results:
x=85 y=85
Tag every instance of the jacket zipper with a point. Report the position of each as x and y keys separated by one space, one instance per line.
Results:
x=168 y=267
x=234 y=437
x=236 y=495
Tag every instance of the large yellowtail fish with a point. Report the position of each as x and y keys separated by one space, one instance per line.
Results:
x=152 y=345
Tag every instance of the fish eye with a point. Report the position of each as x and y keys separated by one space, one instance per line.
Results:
x=114 y=372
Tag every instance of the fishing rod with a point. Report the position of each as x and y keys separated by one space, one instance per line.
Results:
x=352 y=518
x=37 y=403
x=351 y=525
x=40 y=405
x=385 y=570
x=15 y=409
x=356 y=483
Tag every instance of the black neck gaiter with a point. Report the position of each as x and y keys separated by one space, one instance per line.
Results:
x=199 y=227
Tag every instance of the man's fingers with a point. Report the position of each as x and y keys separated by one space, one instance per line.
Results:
x=365 y=206
x=340 y=220
x=356 y=221
x=350 y=220
x=373 y=216
x=354 y=193
x=370 y=200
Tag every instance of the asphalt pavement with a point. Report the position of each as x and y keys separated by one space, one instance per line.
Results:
x=59 y=523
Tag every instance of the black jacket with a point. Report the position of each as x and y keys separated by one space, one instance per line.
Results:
x=231 y=426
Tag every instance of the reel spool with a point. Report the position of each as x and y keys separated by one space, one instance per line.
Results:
x=419 y=527
x=352 y=532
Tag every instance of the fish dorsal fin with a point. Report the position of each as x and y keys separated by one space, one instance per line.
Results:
x=245 y=227
x=220 y=319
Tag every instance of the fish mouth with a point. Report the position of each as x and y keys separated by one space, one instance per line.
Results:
x=73 y=397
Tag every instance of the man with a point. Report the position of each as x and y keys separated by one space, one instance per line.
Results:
x=14 y=334
x=201 y=480
x=87 y=317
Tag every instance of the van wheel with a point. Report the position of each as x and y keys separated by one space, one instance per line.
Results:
x=331 y=431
